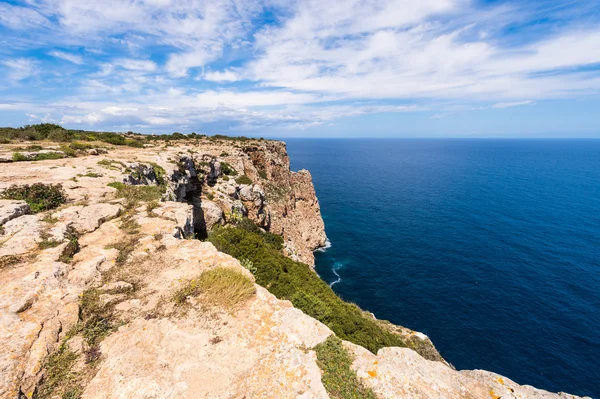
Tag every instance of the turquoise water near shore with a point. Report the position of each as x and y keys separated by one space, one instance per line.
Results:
x=491 y=247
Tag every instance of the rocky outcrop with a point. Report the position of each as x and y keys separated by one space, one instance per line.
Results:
x=402 y=373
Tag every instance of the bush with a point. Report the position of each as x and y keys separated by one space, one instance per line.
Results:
x=297 y=282
x=262 y=174
x=227 y=169
x=243 y=179
x=39 y=196
x=18 y=157
x=48 y=155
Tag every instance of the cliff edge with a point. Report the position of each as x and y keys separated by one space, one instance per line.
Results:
x=109 y=287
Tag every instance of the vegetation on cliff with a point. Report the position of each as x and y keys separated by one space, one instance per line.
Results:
x=297 y=282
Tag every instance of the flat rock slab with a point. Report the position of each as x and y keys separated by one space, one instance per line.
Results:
x=85 y=219
x=12 y=209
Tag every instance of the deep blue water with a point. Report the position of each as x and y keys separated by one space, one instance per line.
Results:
x=491 y=247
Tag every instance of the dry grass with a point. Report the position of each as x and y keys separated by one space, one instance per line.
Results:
x=221 y=286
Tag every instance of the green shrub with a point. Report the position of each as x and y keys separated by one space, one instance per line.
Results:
x=18 y=157
x=340 y=381
x=297 y=282
x=227 y=169
x=262 y=174
x=243 y=179
x=59 y=379
x=39 y=196
x=48 y=155
x=69 y=152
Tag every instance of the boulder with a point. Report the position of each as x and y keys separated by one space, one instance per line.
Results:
x=212 y=214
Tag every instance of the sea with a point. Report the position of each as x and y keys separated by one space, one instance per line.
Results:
x=490 y=247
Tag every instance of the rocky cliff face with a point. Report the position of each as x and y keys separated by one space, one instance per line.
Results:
x=96 y=295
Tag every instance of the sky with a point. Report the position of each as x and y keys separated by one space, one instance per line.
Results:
x=313 y=68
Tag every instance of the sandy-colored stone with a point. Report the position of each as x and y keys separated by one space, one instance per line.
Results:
x=12 y=209
x=402 y=373
x=85 y=219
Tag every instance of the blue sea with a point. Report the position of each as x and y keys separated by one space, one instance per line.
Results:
x=490 y=247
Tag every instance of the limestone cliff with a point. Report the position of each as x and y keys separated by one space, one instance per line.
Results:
x=103 y=297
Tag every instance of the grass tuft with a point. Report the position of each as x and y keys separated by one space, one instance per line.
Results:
x=221 y=286
x=339 y=379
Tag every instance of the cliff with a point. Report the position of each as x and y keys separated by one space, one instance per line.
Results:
x=108 y=288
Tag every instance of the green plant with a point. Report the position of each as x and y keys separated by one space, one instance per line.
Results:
x=225 y=178
x=47 y=156
x=340 y=381
x=243 y=179
x=210 y=196
x=125 y=248
x=224 y=154
x=135 y=194
x=69 y=152
x=219 y=286
x=59 y=377
x=71 y=248
x=262 y=174
x=248 y=264
x=227 y=169
x=18 y=157
x=97 y=319
x=39 y=196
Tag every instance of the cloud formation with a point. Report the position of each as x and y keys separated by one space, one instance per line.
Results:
x=174 y=64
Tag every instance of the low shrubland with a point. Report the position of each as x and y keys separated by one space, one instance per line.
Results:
x=297 y=282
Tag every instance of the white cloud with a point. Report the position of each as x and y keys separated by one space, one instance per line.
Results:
x=319 y=60
x=512 y=104
x=136 y=65
x=222 y=76
x=19 y=68
x=75 y=59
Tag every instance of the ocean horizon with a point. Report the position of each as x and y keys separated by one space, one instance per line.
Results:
x=491 y=247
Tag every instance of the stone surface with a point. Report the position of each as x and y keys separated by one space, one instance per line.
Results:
x=20 y=235
x=11 y=209
x=212 y=214
x=402 y=373
x=85 y=219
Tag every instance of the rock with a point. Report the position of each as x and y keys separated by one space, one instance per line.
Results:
x=117 y=287
x=402 y=373
x=239 y=208
x=142 y=174
x=215 y=172
x=12 y=209
x=182 y=214
x=24 y=234
x=85 y=219
x=212 y=215
x=93 y=151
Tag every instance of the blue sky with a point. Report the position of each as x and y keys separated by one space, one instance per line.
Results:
x=314 y=68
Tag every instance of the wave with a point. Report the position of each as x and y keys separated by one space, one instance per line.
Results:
x=325 y=247
x=334 y=269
